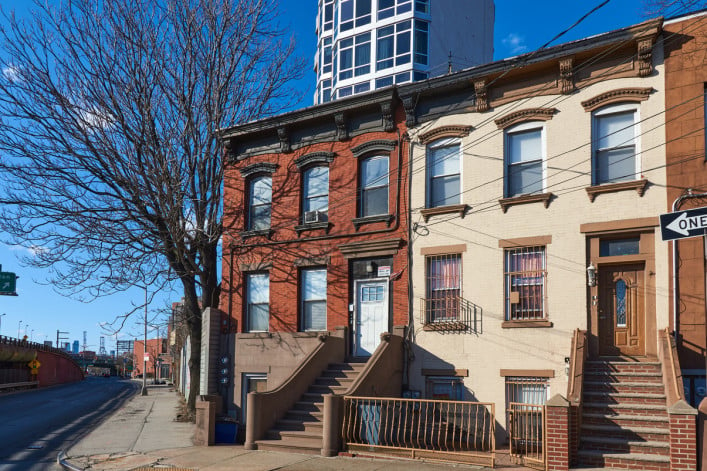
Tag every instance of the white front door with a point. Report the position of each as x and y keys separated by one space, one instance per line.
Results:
x=371 y=315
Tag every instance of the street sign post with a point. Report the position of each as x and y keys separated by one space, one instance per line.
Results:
x=683 y=224
x=8 y=283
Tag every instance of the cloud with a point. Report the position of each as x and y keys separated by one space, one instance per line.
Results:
x=11 y=73
x=515 y=43
x=32 y=250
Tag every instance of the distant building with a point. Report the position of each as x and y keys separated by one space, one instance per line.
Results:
x=157 y=357
x=75 y=347
x=66 y=346
x=364 y=45
x=48 y=343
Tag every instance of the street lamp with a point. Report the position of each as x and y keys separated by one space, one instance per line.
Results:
x=144 y=352
x=19 y=328
x=3 y=314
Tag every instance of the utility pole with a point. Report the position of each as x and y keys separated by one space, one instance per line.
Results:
x=60 y=336
x=1 y=315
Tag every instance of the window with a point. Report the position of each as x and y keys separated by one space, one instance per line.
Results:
x=354 y=13
x=443 y=287
x=393 y=45
x=326 y=56
x=525 y=283
x=389 y=8
x=422 y=29
x=259 y=203
x=443 y=169
x=355 y=56
x=313 y=293
x=326 y=91
x=252 y=382
x=445 y=388
x=524 y=159
x=328 y=16
x=526 y=390
x=423 y=6
x=257 y=302
x=374 y=186
x=614 y=247
x=615 y=144
x=315 y=194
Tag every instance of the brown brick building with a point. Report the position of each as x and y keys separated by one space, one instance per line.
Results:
x=686 y=78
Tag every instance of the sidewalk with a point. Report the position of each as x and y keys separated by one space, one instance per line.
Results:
x=143 y=435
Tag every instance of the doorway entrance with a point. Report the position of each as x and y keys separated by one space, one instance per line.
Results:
x=371 y=315
x=621 y=310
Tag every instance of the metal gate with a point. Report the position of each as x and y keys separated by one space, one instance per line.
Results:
x=527 y=434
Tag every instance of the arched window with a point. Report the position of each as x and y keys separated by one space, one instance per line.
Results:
x=524 y=155
x=615 y=134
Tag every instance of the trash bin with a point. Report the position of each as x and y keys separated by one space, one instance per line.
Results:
x=226 y=431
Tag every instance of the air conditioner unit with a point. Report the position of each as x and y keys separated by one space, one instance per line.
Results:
x=311 y=216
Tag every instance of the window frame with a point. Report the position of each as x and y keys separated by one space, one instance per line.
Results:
x=363 y=189
x=397 y=58
x=250 y=221
x=430 y=177
x=508 y=134
x=353 y=45
x=248 y=325
x=306 y=197
x=303 y=301
x=245 y=389
x=455 y=383
x=449 y=296
x=524 y=314
x=606 y=111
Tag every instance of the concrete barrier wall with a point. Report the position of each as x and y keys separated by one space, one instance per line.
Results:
x=57 y=369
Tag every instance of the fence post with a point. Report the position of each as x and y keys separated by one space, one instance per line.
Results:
x=557 y=442
x=683 y=436
x=331 y=436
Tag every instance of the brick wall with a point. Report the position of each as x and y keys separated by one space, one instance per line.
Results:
x=557 y=433
x=683 y=437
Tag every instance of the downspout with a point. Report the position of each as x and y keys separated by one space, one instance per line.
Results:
x=676 y=302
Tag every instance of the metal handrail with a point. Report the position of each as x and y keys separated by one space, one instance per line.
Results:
x=679 y=392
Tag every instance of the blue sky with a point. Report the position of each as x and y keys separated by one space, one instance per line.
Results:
x=521 y=26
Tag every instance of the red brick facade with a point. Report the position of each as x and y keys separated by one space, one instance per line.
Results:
x=557 y=433
x=683 y=440
x=286 y=249
x=685 y=77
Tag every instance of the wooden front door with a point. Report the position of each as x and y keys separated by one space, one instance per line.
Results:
x=621 y=310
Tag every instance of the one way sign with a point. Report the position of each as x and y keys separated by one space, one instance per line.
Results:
x=683 y=224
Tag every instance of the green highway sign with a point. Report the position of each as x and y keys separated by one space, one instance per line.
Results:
x=8 y=283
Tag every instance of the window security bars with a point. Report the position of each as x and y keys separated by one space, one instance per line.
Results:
x=525 y=273
x=419 y=428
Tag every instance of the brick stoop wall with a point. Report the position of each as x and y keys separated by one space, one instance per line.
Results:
x=683 y=437
x=557 y=436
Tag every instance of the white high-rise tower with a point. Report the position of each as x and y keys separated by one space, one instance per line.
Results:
x=363 y=45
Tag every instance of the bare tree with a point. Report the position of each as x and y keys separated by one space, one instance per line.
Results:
x=670 y=8
x=110 y=164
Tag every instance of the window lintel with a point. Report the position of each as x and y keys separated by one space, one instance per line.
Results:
x=384 y=146
x=312 y=158
x=529 y=114
x=261 y=167
x=445 y=131
x=634 y=94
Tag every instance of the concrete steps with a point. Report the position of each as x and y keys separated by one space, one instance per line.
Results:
x=300 y=431
x=624 y=416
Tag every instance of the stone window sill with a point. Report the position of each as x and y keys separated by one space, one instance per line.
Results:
x=638 y=185
x=255 y=335
x=545 y=198
x=386 y=218
x=313 y=226
x=462 y=209
x=526 y=324
x=267 y=233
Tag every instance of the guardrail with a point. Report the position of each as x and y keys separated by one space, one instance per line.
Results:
x=419 y=428
x=4 y=340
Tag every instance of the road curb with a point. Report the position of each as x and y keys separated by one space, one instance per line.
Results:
x=64 y=463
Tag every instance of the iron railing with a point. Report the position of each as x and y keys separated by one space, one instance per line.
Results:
x=419 y=428
x=526 y=430
x=451 y=313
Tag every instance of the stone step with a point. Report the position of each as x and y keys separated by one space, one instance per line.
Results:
x=625 y=398
x=334 y=381
x=300 y=425
x=325 y=389
x=304 y=415
x=308 y=446
x=309 y=406
x=623 y=387
x=631 y=433
x=622 y=366
x=640 y=461
x=620 y=377
x=280 y=434
x=651 y=410
x=615 y=445
x=625 y=420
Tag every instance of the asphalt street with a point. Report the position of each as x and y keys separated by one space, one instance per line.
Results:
x=37 y=424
